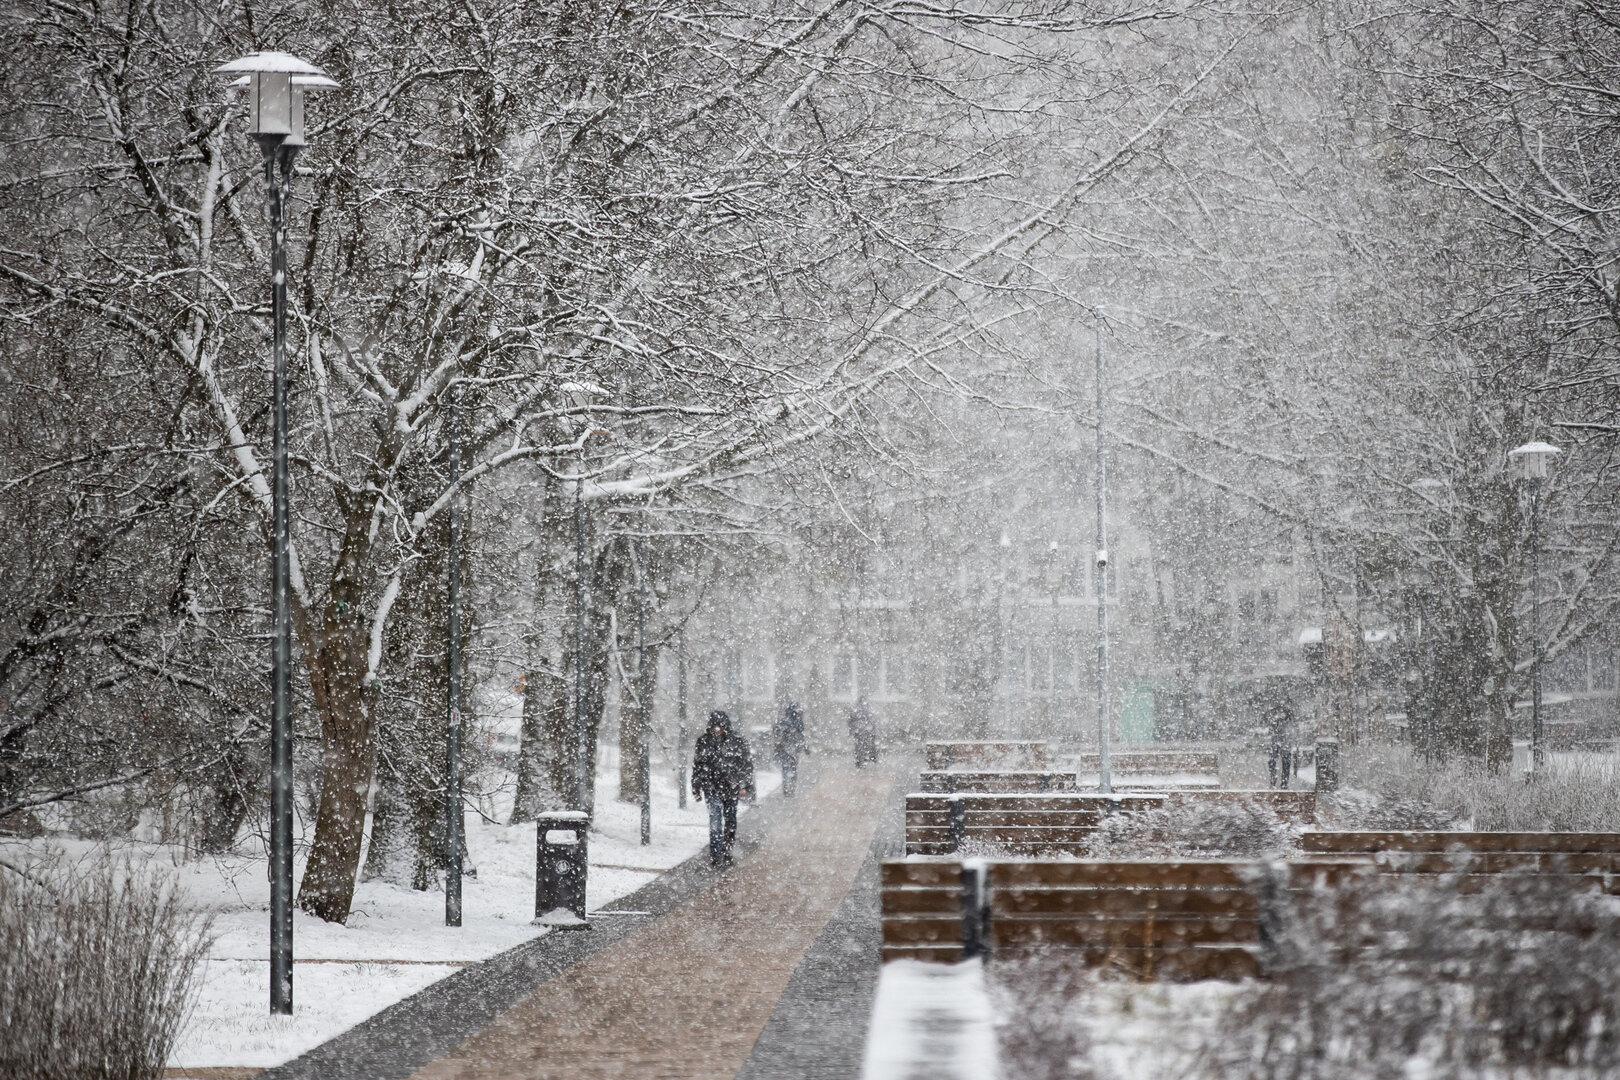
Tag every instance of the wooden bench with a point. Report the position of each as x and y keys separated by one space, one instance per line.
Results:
x=1298 y=807
x=1013 y=824
x=1153 y=763
x=997 y=780
x=1589 y=860
x=1058 y=823
x=1174 y=920
x=984 y=754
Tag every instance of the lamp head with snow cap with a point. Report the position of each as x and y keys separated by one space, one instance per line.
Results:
x=1530 y=461
x=276 y=83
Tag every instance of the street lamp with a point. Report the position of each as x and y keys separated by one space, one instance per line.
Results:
x=276 y=83
x=1054 y=582
x=1529 y=463
x=1005 y=544
x=1104 y=778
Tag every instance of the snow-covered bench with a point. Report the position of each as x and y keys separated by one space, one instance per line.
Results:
x=985 y=754
x=1025 y=781
x=1014 y=824
x=1173 y=919
x=1590 y=860
x=1059 y=823
x=1153 y=763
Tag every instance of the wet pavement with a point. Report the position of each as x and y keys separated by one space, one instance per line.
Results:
x=765 y=972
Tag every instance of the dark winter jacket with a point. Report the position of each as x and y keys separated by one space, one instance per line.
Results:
x=789 y=734
x=723 y=766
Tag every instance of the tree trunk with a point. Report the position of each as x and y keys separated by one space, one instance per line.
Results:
x=634 y=735
x=543 y=761
x=327 y=891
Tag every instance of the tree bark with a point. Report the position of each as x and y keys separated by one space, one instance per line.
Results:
x=633 y=733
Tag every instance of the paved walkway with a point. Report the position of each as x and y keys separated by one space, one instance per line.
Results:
x=687 y=995
x=818 y=1029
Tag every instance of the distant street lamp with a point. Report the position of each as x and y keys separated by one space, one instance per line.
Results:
x=1005 y=544
x=1529 y=463
x=1054 y=581
x=276 y=83
x=1104 y=778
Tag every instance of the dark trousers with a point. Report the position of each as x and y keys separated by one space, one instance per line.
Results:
x=790 y=776
x=722 y=827
x=1279 y=763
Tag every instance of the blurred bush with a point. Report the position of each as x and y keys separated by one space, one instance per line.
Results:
x=99 y=968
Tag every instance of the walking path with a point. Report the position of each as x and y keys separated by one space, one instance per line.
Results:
x=688 y=995
x=764 y=972
x=818 y=1030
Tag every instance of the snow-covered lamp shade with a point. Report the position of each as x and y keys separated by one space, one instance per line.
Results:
x=1530 y=461
x=276 y=83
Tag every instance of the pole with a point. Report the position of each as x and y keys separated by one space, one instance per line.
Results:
x=1006 y=644
x=278 y=161
x=643 y=708
x=1052 y=650
x=1537 y=749
x=1428 y=680
x=452 y=743
x=1104 y=780
x=580 y=763
x=680 y=719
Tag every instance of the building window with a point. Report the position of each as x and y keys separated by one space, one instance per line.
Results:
x=759 y=677
x=1063 y=666
x=843 y=686
x=1038 y=663
x=894 y=676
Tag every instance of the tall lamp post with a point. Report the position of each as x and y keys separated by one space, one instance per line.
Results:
x=1529 y=463
x=1054 y=581
x=276 y=83
x=1104 y=779
x=453 y=719
x=1005 y=545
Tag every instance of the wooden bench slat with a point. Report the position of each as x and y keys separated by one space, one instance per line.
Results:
x=922 y=931
x=992 y=802
x=1099 y=903
x=1182 y=874
x=1153 y=761
x=1140 y=933
x=938 y=819
x=896 y=872
x=1368 y=841
x=934 y=954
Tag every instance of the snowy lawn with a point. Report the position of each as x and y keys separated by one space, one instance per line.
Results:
x=395 y=942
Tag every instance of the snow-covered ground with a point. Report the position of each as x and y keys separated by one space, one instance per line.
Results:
x=395 y=942
x=932 y=1020
x=948 y=1020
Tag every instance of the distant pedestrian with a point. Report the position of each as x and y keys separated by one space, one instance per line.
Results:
x=722 y=773
x=863 y=731
x=1279 y=721
x=788 y=740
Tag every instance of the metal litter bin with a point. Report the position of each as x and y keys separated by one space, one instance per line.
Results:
x=561 y=859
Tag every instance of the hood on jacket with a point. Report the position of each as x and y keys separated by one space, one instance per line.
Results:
x=718 y=719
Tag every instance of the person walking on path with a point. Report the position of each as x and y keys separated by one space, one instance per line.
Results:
x=863 y=731
x=1279 y=717
x=789 y=742
x=722 y=773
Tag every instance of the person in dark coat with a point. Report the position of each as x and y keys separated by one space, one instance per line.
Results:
x=863 y=731
x=1279 y=718
x=722 y=773
x=788 y=738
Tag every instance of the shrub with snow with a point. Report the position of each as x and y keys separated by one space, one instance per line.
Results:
x=99 y=964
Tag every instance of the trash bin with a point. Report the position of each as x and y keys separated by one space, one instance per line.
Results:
x=1327 y=765
x=562 y=857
